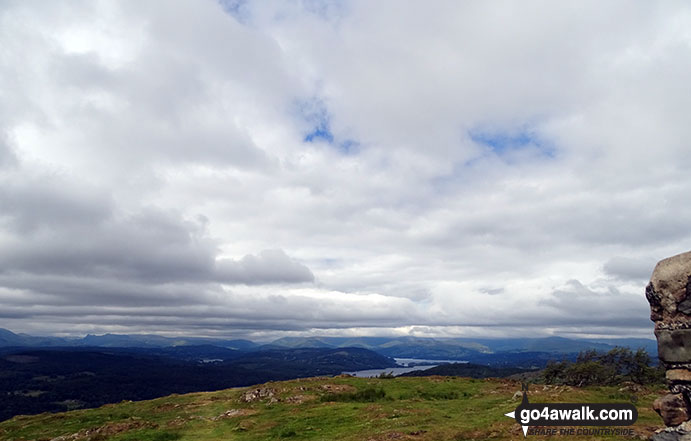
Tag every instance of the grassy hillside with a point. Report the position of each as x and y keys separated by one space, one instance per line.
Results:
x=41 y=380
x=342 y=408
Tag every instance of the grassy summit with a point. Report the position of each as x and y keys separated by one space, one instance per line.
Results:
x=341 y=408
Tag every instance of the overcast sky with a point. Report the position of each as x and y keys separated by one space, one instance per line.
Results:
x=270 y=168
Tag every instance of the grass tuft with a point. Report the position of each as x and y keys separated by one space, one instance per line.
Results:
x=367 y=395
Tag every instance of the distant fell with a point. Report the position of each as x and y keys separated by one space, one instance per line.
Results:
x=462 y=349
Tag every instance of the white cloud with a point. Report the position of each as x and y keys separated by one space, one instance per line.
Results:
x=433 y=169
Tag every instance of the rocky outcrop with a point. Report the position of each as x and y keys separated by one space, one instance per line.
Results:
x=259 y=394
x=669 y=295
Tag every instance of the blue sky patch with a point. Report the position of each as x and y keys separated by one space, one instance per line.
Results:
x=321 y=132
x=502 y=142
x=328 y=10
x=236 y=8
x=318 y=119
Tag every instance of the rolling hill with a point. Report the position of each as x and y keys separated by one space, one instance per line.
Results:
x=325 y=408
x=40 y=380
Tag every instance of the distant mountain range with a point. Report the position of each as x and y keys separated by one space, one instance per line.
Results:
x=9 y=338
x=465 y=349
x=526 y=353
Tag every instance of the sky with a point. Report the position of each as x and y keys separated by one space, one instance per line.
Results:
x=261 y=169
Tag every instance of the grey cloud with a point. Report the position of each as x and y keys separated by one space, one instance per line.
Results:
x=493 y=291
x=31 y=204
x=79 y=234
x=627 y=268
x=170 y=94
x=270 y=266
x=58 y=293
x=7 y=156
x=579 y=304
x=150 y=245
x=142 y=249
x=202 y=306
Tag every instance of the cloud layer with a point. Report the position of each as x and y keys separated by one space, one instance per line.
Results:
x=267 y=168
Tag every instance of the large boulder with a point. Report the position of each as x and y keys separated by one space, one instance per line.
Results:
x=672 y=409
x=668 y=293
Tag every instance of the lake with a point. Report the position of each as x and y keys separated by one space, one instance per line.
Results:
x=406 y=365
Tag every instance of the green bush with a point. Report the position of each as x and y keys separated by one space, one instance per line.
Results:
x=367 y=395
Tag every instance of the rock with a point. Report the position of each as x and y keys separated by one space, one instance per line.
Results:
x=232 y=413
x=672 y=409
x=259 y=394
x=685 y=306
x=655 y=302
x=681 y=375
x=674 y=346
x=669 y=436
x=678 y=433
x=669 y=286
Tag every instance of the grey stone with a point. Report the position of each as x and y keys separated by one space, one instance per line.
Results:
x=670 y=279
x=674 y=346
x=672 y=408
x=685 y=306
x=668 y=436
x=654 y=300
x=678 y=375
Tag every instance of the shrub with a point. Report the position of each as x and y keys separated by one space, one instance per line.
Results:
x=596 y=368
x=369 y=394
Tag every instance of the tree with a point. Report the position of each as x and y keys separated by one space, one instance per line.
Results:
x=612 y=367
